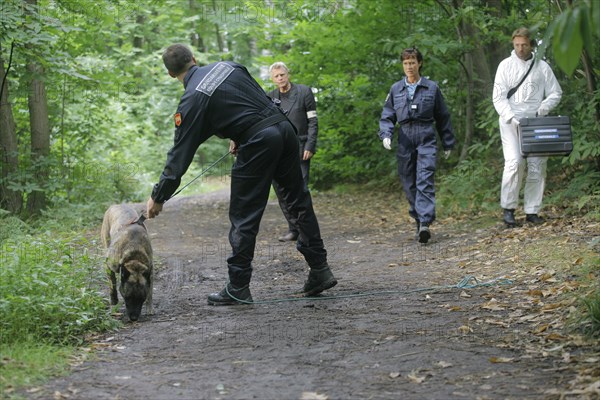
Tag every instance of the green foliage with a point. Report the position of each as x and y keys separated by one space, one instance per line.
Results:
x=587 y=318
x=49 y=290
x=575 y=29
x=471 y=187
x=586 y=130
x=580 y=193
x=590 y=321
x=28 y=364
x=111 y=105
x=12 y=226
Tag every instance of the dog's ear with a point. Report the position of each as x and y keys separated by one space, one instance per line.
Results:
x=135 y=266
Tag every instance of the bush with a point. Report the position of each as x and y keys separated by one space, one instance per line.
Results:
x=577 y=192
x=473 y=186
x=590 y=322
x=49 y=290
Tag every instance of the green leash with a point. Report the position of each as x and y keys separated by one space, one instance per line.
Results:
x=468 y=282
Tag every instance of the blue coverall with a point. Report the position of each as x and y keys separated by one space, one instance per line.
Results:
x=417 y=146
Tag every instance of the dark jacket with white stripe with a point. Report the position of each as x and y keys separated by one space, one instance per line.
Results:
x=303 y=114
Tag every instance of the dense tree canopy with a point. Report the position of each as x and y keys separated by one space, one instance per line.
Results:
x=86 y=109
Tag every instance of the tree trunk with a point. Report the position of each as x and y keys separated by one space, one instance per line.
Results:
x=469 y=114
x=590 y=77
x=500 y=48
x=220 y=41
x=40 y=137
x=40 y=133
x=138 y=39
x=464 y=29
x=478 y=65
x=195 y=38
x=9 y=159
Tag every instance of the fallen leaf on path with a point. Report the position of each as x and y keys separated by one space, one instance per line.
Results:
x=536 y=293
x=499 y=323
x=415 y=378
x=528 y=317
x=548 y=277
x=498 y=360
x=465 y=329
x=465 y=294
x=443 y=364
x=593 y=388
x=593 y=360
x=549 y=292
x=313 y=396
x=548 y=307
x=555 y=336
x=493 y=305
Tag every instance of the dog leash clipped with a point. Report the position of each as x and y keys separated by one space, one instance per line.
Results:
x=142 y=217
x=140 y=220
x=211 y=166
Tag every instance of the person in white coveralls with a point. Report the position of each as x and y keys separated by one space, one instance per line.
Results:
x=538 y=93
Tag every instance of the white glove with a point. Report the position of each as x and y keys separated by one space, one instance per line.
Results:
x=447 y=154
x=542 y=112
x=387 y=143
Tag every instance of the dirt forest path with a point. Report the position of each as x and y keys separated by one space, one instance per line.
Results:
x=395 y=329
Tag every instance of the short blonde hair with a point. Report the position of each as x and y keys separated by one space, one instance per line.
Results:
x=523 y=32
x=278 y=65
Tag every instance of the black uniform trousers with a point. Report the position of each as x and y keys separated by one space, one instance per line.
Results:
x=305 y=168
x=270 y=155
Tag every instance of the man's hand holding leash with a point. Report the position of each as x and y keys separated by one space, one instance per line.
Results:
x=153 y=208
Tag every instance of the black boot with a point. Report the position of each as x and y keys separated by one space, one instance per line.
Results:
x=424 y=233
x=509 y=218
x=230 y=295
x=534 y=219
x=319 y=278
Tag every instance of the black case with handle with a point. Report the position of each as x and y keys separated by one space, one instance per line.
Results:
x=545 y=136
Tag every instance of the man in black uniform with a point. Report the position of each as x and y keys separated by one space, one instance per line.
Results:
x=223 y=99
x=298 y=102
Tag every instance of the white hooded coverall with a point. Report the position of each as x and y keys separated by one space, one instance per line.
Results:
x=539 y=93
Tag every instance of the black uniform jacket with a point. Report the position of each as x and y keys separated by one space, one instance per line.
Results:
x=303 y=114
x=220 y=99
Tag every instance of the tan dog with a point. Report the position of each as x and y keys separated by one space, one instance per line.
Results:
x=128 y=253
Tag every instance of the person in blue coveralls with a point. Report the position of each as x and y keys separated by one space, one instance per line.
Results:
x=416 y=104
